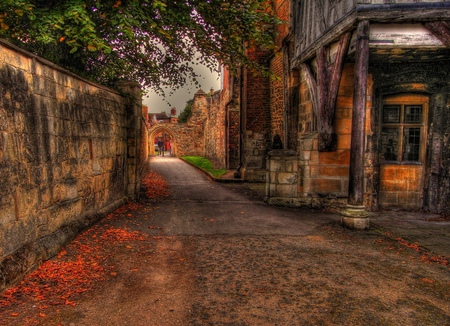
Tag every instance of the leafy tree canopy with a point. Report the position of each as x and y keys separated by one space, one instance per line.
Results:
x=186 y=113
x=154 y=42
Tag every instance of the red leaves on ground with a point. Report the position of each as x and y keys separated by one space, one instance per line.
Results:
x=155 y=186
x=131 y=206
x=55 y=281
x=426 y=256
x=75 y=270
x=121 y=235
x=434 y=259
x=413 y=246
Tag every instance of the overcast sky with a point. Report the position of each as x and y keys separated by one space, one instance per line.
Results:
x=157 y=104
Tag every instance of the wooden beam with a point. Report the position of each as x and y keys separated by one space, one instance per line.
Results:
x=440 y=29
x=312 y=86
x=328 y=80
x=338 y=67
x=325 y=118
x=356 y=173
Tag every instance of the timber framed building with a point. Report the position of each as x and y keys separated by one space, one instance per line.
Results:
x=362 y=108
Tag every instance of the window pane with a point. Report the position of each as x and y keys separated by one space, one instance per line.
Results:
x=411 y=139
x=391 y=114
x=413 y=113
x=389 y=144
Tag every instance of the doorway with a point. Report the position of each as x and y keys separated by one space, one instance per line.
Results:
x=402 y=148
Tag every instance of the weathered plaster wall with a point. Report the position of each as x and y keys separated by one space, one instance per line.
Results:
x=69 y=153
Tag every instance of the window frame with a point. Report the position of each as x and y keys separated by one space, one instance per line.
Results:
x=403 y=101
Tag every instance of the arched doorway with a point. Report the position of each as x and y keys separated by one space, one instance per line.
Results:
x=165 y=137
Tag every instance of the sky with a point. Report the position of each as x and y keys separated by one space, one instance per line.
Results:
x=158 y=104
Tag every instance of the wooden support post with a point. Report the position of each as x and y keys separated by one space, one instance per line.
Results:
x=355 y=215
x=324 y=91
x=325 y=118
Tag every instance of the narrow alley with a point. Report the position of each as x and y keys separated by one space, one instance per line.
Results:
x=216 y=254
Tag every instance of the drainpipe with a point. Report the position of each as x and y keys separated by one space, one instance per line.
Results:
x=242 y=118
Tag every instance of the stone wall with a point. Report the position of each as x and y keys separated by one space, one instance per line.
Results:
x=186 y=138
x=215 y=131
x=69 y=153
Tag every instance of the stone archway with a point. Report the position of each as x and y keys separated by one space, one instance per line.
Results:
x=161 y=132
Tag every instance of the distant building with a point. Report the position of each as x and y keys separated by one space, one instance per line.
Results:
x=163 y=117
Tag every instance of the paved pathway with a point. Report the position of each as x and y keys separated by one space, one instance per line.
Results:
x=216 y=254
x=235 y=210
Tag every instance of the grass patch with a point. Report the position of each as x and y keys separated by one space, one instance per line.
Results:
x=204 y=164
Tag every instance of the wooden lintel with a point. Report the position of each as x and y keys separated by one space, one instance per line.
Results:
x=440 y=29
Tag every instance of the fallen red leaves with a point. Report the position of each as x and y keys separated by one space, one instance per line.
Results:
x=55 y=281
x=426 y=256
x=155 y=186
x=120 y=235
x=80 y=266
x=75 y=270
x=413 y=246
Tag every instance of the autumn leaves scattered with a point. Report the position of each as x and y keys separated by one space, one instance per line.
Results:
x=426 y=256
x=155 y=186
x=80 y=266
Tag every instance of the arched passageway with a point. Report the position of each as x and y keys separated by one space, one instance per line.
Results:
x=162 y=136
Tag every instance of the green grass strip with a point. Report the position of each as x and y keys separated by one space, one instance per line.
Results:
x=204 y=164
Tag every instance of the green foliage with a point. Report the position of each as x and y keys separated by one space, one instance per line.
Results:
x=186 y=113
x=153 y=42
x=204 y=164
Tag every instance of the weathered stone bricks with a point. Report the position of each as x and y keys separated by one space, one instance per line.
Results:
x=60 y=136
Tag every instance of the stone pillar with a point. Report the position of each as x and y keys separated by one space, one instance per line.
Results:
x=134 y=134
x=282 y=177
x=355 y=215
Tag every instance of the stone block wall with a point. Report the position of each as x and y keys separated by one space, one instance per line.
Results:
x=69 y=153
x=282 y=177
x=215 y=131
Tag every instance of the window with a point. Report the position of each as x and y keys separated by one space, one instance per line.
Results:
x=403 y=131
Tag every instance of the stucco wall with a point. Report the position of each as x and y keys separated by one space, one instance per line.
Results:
x=69 y=152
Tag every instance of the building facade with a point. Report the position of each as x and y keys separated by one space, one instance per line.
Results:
x=361 y=104
x=373 y=106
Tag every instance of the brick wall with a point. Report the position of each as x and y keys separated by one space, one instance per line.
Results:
x=277 y=97
x=256 y=107
x=69 y=153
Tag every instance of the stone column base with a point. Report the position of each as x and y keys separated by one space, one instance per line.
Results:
x=355 y=217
